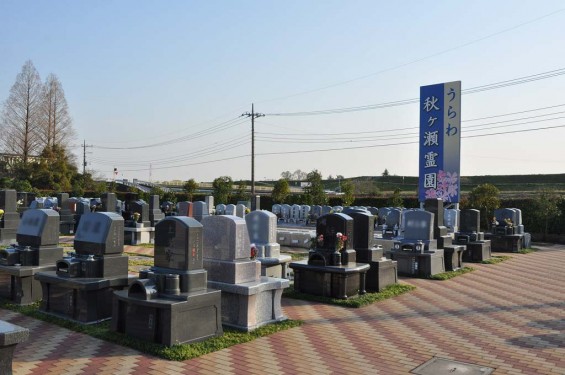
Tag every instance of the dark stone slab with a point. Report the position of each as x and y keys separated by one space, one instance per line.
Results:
x=477 y=251
x=194 y=317
x=38 y=227
x=334 y=281
x=453 y=256
x=178 y=243
x=419 y=265
x=84 y=300
x=100 y=233
x=19 y=285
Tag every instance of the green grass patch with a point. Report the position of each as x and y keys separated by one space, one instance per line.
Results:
x=66 y=244
x=360 y=301
x=496 y=259
x=180 y=352
x=141 y=262
x=528 y=250
x=145 y=245
x=131 y=254
x=451 y=274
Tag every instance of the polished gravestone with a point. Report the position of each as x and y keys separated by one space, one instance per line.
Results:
x=507 y=230
x=200 y=210
x=417 y=253
x=82 y=287
x=67 y=222
x=331 y=269
x=470 y=235
x=249 y=300
x=262 y=228
x=171 y=303
x=453 y=253
x=138 y=229
x=155 y=213
x=10 y=219
x=383 y=271
x=36 y=251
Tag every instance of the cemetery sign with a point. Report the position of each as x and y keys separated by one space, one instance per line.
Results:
x=440 y=142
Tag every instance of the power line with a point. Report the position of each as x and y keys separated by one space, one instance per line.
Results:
x=472 y=90
x=349 y=148
x=277 y=136
x=219 y=127
x=222 y=146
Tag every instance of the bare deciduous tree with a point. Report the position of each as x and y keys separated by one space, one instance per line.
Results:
x=56 y=123
x=21 y=114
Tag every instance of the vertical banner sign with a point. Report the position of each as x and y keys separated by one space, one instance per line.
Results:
x=440 y=142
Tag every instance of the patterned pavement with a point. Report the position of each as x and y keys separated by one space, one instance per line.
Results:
x=509 y=316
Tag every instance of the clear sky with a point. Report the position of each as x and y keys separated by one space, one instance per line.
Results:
x=164 y=83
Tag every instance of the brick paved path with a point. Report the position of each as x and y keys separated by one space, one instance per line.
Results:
x=510 y=316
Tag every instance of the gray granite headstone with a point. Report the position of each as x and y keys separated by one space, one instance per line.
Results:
x=230 y=209
x=100 y=233
x=221 y=209
x=109 y=202
x=227 y=250
x=209 y=199
x=470 y=221
x=178 y=243
x=276 y=209
x=240 y=210
x=38 y=227
x=8 y=200
x=393 y=217
x=225 y=238
x=262 y=228
x=419 y=225
x=200 y=210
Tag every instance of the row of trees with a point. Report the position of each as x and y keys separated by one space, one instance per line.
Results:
x=35 y=116
x=36 y=131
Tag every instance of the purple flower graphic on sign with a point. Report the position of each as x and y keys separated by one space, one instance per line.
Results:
x=447 y=186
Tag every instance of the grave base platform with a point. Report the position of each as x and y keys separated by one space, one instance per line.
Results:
x=184 y=318
x=453 y=256
x=383 y=271
x=477 y=251
x=419 y=265
x=386 y=244
x=18 y=283
x=84 y=300
x=247 y=306
x=139 y=235
x=341 y=282
x=7 y=236
x=511 y=243
x=275 y=267
x=381 y=274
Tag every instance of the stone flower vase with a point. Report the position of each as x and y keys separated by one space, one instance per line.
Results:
x=336 y=258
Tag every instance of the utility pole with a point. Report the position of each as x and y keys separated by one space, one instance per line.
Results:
x=253 y=116
x=84 y=146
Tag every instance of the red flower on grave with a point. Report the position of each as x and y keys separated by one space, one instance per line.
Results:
x=340 y=241
x=253 y=253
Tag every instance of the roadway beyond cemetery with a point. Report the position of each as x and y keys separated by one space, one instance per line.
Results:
x=508 y=316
